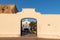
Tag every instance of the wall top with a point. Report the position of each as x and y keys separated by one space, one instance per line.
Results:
x=28 y=9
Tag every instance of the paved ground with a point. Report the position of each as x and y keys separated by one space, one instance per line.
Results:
x=28 y=34
x=25 y=36
x=22 y=38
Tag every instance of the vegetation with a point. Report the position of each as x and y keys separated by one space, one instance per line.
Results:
x=33 y=26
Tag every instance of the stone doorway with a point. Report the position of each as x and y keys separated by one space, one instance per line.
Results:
x=28 y=27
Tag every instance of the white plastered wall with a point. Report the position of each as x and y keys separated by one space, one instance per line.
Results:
x=9 y=25
x=48 y=25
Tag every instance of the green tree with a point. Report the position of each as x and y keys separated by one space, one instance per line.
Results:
x=33 y=26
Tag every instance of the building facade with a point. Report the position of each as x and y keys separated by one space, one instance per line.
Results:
x=25 y=24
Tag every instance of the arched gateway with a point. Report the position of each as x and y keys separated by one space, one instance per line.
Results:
x=10 y=24
x=29 y=13
x=48 y=25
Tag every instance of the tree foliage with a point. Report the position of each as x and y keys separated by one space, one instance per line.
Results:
x=33 y=26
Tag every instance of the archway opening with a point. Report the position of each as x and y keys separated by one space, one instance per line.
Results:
x=29 y=27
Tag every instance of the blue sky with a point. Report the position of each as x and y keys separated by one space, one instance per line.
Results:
x=43 y=6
